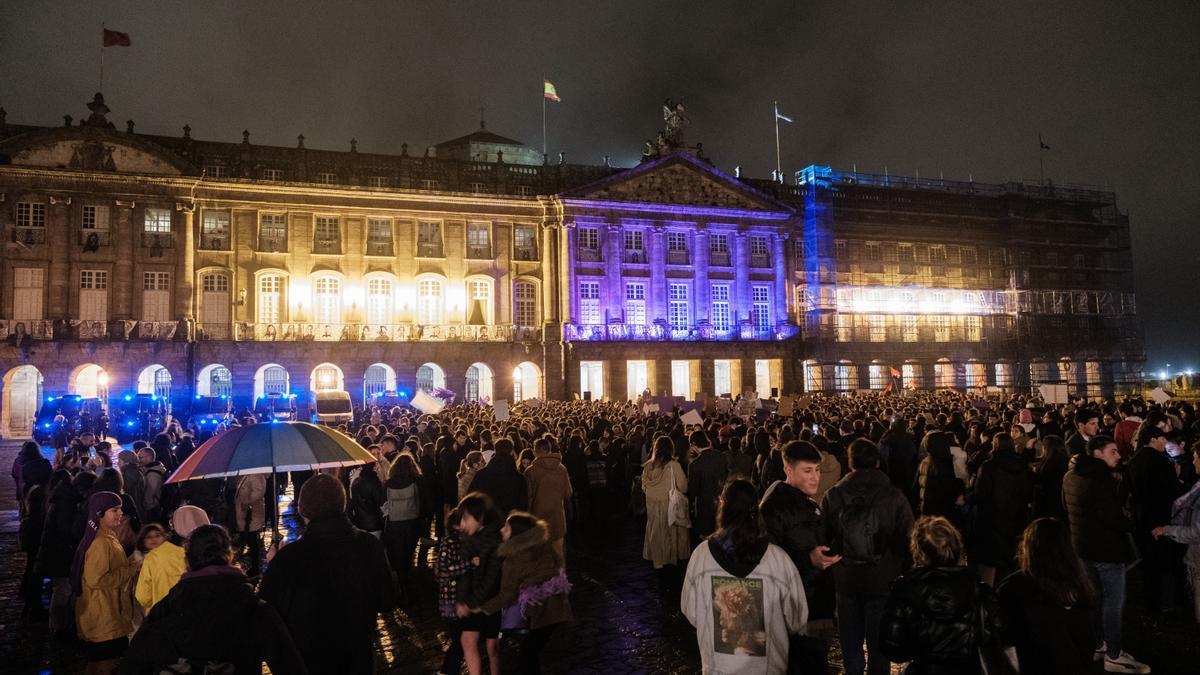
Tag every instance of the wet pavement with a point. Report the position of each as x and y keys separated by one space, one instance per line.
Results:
x=624 y=624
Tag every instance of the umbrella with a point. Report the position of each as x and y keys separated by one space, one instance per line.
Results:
x=271 y=448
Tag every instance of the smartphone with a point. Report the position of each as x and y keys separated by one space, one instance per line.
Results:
x=816 y=428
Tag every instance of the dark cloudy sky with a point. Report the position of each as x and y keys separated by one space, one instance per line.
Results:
x=959 y=88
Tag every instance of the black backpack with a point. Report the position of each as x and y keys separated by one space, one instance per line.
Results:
x=858 y=523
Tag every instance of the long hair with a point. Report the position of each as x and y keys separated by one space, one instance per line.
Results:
x=935 y=542
x=403 y=471
x=737 y=520
x=1054 y=453
x=1045 y=555
x=664 y=451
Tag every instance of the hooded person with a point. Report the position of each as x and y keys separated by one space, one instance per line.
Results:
x=134 y=480
x=100 y=577
x=166 y=564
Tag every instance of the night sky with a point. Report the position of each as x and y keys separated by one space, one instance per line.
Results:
x=960 y=90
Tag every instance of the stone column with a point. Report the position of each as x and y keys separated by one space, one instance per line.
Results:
x=124 y=236
x=58 y=278
x=741 y=271
x=779 y=312
x=185 y=298
x=612 y=291
x=657 y=291
x=566 y=261
x=701 y=291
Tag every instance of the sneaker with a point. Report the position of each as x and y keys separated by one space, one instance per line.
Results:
x=1100 y=652
x=1124 y=664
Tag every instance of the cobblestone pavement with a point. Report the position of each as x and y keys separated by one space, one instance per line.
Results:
x=623 y=623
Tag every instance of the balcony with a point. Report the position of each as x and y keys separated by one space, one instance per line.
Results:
x=158 y=240
x=635 y=256
x=153 y=331
x=269 y=244
x=479 y=252
x=662 y=332
x=718 y=258
x=213 y=331
x=588 y=255
x=357 y=332
x=19 y=330
x=381 y=247
x=678 y=258
x=762 y=261
x=430 y=249
x=29 y=236
x=93 y=239
x=327 y=246
x=215 y=241
x=526 y=253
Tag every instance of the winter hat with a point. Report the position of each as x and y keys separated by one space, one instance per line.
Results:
x=187 y=518
x=97 y=504
x=127 y=456
x=322 y=496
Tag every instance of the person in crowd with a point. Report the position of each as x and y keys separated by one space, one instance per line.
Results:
x=665 y=543
x=154 y=474
x=549 y=489
x=1002 y=494
x=330 y=585
x=100 y=577
x=1155 y=485
x=450 y=567
x=939 y=490
x=1125 y=433
x=901 y=453
x=1087 y=425
x=792 y=521
x=706 y=477
x=525 y=460
x=450 y=455
x=367 y=496
x=480 y=524
x=249 y=518
x=59 y=542
x=403 y=493
x=34 y=501
x=28 y=453
x=1048 y=471
x=1100 y=535
x=501 y=480
x=134 y=480
x=165 y=564
x=533 y=580
x=1047 y=604
x=1184 y=528
x=831 y=466
x=150 y=537
x=212 y=621
x=743 y=594
x=867 y=521
x=939 y=616
x=467 y=469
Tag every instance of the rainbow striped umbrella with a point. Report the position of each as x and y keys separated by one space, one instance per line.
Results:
x=273 y=447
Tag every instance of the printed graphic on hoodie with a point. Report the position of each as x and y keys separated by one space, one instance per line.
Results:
x=739 y=616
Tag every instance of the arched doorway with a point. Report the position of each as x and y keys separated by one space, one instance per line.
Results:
x=326 y=377
x=527 y=381
x=19 y=403
x=430 y=376
x=271 y=378
x=214 y=380
x=479 y=383
x=155 y=380
x=379 y=378
x=89 y=381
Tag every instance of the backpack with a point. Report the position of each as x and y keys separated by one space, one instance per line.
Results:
x=858 y=523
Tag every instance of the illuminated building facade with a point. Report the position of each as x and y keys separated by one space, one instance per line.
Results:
x=194 y=270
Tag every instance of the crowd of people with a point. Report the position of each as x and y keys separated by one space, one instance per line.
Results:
x=953 y=533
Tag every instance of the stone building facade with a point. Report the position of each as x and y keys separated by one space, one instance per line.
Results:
x=196 y=270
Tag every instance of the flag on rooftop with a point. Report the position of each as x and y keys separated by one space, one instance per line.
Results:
x=549 y=92
x=781 y=116
x=114 y=38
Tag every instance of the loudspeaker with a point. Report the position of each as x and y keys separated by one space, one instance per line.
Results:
x=587 y=395
x=774 y=392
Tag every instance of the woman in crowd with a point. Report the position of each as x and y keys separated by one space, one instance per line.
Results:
x=249 y=518
x=1048 y=472
x=34 y=500
x=100 y=578
x=449 y=568
x=743 y=595
x=939 y=490
x=403 y=514
x=1185 y=529
x=59 y=541
x=165 y=564
x=1003 y=490
x=480 y=524
x=1047 y=603
x=470 y=466
x=939 y=615
x=367 y=496
x=534 y=581
x=664 y=544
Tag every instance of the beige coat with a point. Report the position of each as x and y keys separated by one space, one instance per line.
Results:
x=664 y=544
x=831 y=473
x=251 y=496
x=549 y=488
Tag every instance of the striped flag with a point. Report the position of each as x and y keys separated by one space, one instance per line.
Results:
x=781 y=116
x=549 y=92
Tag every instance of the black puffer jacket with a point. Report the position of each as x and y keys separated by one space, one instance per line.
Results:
x=501 y=481
x=59 y=538
x=482 y=581
x=932 y=619
x=1094 y=504
x=1003 y=492
x=938 y=489
x=792 y=521
x=366 y=500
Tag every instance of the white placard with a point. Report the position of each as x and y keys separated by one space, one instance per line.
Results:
x=426 y=403
x=500 y=411
x=1159 y=395
x=692 y=418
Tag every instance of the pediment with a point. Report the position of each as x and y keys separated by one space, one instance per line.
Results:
x=678 y=179
x=88 y=149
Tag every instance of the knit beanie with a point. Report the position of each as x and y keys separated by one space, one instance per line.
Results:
x=127 y=456
x=322 y=496
x=187 y=518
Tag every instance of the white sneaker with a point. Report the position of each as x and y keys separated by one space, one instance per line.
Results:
x=1100 y=652
x=1125 y=664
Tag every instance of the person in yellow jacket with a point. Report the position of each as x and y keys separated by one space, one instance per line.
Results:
x=164 y=565
x=100 y=578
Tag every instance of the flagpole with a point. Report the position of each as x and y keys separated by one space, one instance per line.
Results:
x=544 y=150
x=1041 y=160
x=101 y=89
x=778 y=163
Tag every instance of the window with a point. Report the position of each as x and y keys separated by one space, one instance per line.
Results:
x=937 y=255
x=1050 y=257
x=326 y=178
x=1078 y=260
x=379 y=181
x=677 y=241
x=275 y=380
x=677 y=309
x=874 y=254
x=720 y=307
x=479 y=240
x=761 y=308
x=93 y=279
x=156 y=296
x=635 y=303
x=429 y=239
x=327 y=235
x=429 y=184
x=525 y=242
x=216 y=171
x=157 y=220
x=214 y=305
x=589 y=302
x=589 y=238
x=214 y=283
x=269 y=299
x=969 y=256
x=634 y=251
x=524 y=304
x=480 y=296
x=429 y=302
x=904 y=253
x=379 y=301
x=922 y=253
x=28 y=293
x=272 y=232
x=718 y=249
x=908 y=328
x=93 y=295
x=877 y=327
x=759 y=255
x=839 y=249
x=379 y=236
x=272 y=174
x=95 y=217
x=327 y=305
x=31 y=215
x=214 y=231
